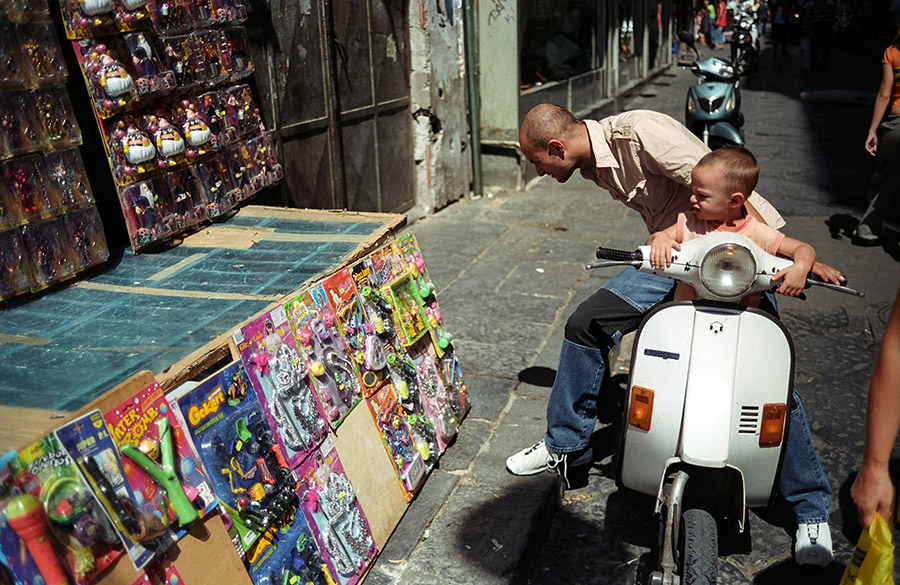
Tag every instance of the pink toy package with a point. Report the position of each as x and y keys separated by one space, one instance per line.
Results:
x=398 y=439
x=334 y=372
x=280 y=379
x=435 y=400
x=145 y=429
x=335 y=516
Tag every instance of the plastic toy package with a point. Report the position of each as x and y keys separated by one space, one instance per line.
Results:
x=43 y=59
x=249 y=473
x=211 y=106
x=287 y=553
x=238 y=52
x=178 y=204
x=10 y=212
x=398 y=439
x=16 y=563
x=87 y=441
x=197 y=134
x=266 y=160
x=334 y=373
x=159 y=463
x=281 y=380
x=88 y=18
x=26 y=10
x=65 y=527
x=335 y=516
x=28 y=186
x=20 y=131
x=242 y=110
x=213 y=180
x=171 y=15
x=111 y=86
x=58 y=118
x=242 y=168
x=86 y=237
x=15 y=267
x=131 y=149
x=12 y=67
x=141 y=214
x=132 y=14
x=150 y=76
x=67 y=175
x=178 y=54
x=51 y=256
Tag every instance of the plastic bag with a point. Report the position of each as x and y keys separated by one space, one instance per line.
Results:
x=872 y=562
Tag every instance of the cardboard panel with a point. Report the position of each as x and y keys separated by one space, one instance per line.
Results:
x=370 y=471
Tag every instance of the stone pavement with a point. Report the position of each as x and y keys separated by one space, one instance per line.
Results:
x=509 y=270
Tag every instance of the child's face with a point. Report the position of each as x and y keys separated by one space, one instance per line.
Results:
x=710 y=199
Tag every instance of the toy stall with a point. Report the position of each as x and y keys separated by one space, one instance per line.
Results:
x=258 y=404
x=287 y=449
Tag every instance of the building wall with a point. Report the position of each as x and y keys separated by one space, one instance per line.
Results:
x=442 y=150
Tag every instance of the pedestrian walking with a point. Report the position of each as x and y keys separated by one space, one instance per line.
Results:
x=762 y=16
x=883 y=142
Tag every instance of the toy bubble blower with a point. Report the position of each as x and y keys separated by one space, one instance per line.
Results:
x=26 y=516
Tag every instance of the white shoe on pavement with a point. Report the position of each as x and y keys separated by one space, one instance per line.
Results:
x=813 y=544
x=538 y=458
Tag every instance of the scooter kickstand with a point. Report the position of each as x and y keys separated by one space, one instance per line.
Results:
x=669 y=573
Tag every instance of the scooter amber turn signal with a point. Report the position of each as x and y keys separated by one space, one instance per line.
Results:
x=772 y=428
x=640 y=412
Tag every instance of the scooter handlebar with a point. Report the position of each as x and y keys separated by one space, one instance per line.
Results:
x=813 y=280
x=619 y=255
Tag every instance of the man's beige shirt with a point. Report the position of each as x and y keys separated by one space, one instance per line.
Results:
x=644 y=159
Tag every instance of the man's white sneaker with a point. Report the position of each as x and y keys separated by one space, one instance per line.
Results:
x=538 y=458
x=813 y=544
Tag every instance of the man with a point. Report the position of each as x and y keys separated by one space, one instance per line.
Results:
x=643 y=159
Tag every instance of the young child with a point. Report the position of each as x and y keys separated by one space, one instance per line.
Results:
x=720 y=183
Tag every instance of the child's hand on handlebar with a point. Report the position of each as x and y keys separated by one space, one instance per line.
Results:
x=793 y=280
x=661 y=246
x=828 y=274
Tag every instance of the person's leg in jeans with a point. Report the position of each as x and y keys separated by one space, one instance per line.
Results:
x=885 y=189
x=596 y=325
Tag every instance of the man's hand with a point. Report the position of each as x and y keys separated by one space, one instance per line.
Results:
x=872 y=492
x=827 y=273
x=661 y=245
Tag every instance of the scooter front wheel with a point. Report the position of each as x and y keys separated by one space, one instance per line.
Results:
x=698 y=548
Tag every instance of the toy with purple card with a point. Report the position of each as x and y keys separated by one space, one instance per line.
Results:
x=16 y=564
x=337 y=520
x=334 y=372
x=398 y=439
x=281 y=381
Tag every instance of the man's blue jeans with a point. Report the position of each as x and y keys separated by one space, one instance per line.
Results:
x=596 y=326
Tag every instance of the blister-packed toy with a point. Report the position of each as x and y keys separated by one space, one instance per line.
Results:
x=455 y=385
x=203 y=13
x=10 y=212
x=141 y=218
x=158 y=460
x=88 y=18
x=42 y=57
x=20 y=131
x=15 y=267
x=334 y=372
x=237 y=52
x=49 y=251
x=282 y=383
x=67 y=175
x=214 y=181
x=211 y=64
x=131 y=149
x=58 y=118
x=242 y=168
x=246 y=466
x=231 y=11
x=170 y=15
x=398 y=439
x=86 y=236
x=27 y=10
x=132 y=14
x=66 y=516
x=167 y=139
x=287 y=553
x=146 y=67
x=265 y=160
x=87 y=441
x=12 y=67
x=197 y=134
x=180 y=205
x=178 y=55
x=109 y=82
x=28 y=186
x=211 y=107
x=242 y=110
x=435 y=400
x=16 y=563
x=335 y=515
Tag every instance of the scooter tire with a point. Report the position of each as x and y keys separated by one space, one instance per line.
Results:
x=698 y=548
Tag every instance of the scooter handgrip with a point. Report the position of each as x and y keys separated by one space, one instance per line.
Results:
x=619 y=255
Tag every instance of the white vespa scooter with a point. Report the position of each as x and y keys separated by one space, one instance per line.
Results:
x=710 y=389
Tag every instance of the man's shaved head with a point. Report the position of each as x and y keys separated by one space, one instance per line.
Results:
x=545 y=122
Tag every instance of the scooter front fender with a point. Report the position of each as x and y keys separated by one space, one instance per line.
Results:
x=725 y=131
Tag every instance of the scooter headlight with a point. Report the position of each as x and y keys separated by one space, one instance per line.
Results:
x=728 y=271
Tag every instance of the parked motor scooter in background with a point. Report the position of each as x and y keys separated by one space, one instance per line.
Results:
x=713 y=109
x=709 y=400
x=744 y=43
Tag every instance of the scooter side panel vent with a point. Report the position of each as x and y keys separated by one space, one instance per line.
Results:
x=748 y=424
